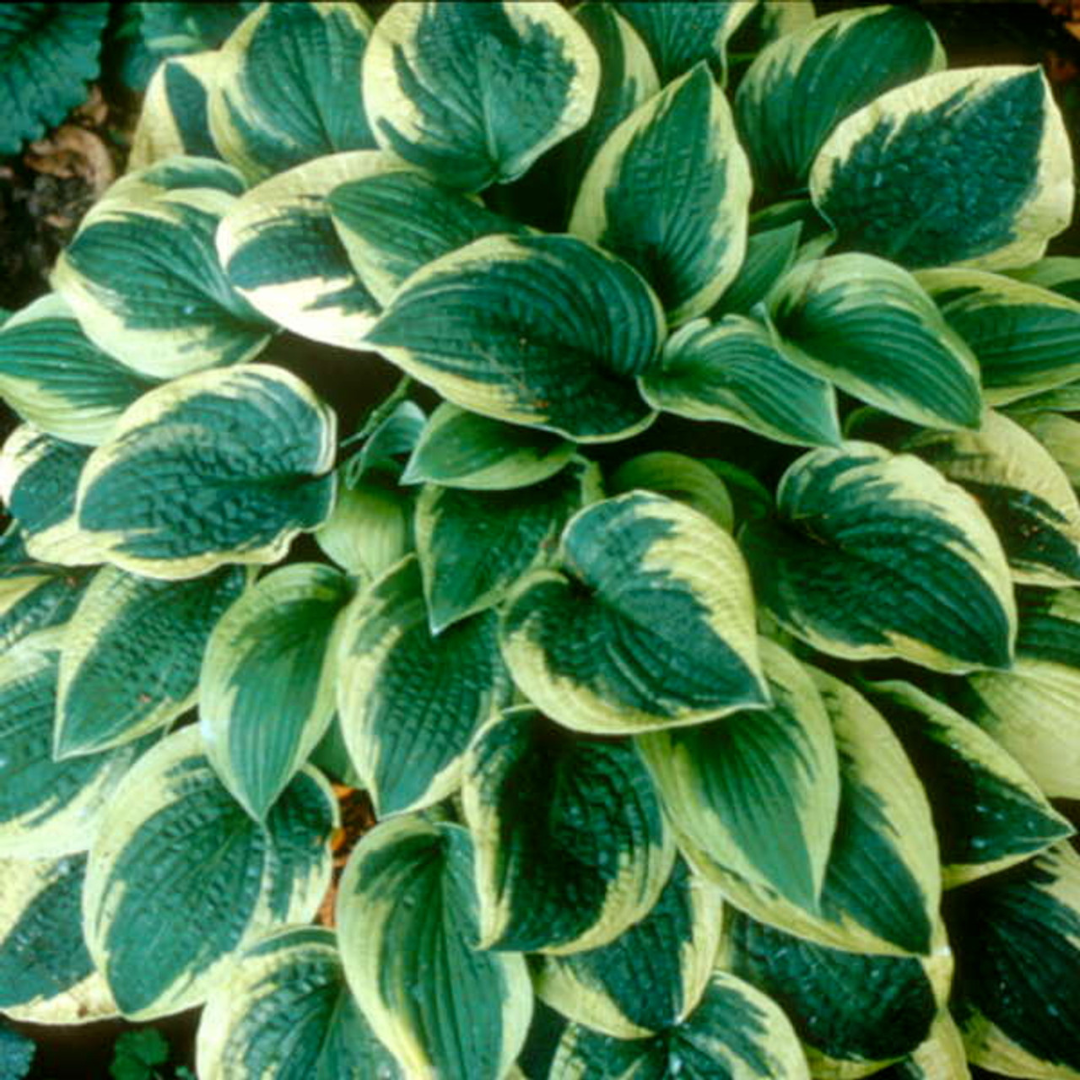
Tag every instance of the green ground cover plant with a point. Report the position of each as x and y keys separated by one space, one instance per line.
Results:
x=699 y=612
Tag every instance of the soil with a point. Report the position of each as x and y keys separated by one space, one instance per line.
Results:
x=45 y=191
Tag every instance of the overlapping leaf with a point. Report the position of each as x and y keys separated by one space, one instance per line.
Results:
x=571 y=847
x=649 y=623
x=408 y=921
x=540 y=330
x=33 y=595
x=974 y=200
x=180 y=877
x=877 y=555
x=218 y=467
x=679 y=477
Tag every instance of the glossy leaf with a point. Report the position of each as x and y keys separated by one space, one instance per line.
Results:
x=679 y=477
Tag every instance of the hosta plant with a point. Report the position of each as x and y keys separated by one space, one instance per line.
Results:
x=700 y=613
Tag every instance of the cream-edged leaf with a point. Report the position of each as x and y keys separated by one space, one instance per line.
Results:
x=649 y=622
x=266 y=688
x=679 y=477
x=1020 y=180
x=474 y=93
x=408 y=922
x=223 y=466
x=669 y=191
x=876 y=555
x=571 y=845
x=541 y=330
x=1060 y=435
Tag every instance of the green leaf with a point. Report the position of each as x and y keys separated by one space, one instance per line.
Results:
x=369 y=529
x=57 y=380
x=276 y=97
x=34 y=596
x=679 y=35
x=50 y=53
x=671 y=952
x=688 y=236
x=223 y=466
x=541 y=330
x=285 y=1011
x=143 y=278
x=280 y=250
x=1033 y=708
x=47 y=807
x=460 y=449
x=679 y=477
x=266 y=691
x=757 y=792
x=394 y=221
x=849 y=1009
x=867 y=326
x=1058 y=273
x=180 y=877
x=144 y=1047
x=571 y=847
x=1018 y=943
x=988 y=813
x=406 y=735
x=770 y=253
x=16 y=1054
x=474 y=545
x=876 y=555
x=840 y=62
x=1020 y=180
x=132 y=653
x=408 y=919
x=734 y=372
x=940 y=1055
x=474 y=93
x=649 y=624
x=1025 y=337
x=736 y=1033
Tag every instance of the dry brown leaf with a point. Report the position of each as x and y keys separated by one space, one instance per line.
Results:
x=72 y=151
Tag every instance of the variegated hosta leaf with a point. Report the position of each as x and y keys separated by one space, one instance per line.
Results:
x=688 y=236
x=460 y=449
x=396 y=220
x=1018 y=943
x=180 y=877
x=883 y=882
x=474 y=545
x=57 y=380
x=1021 y=489
x=876 y=555
x=651 y=976
x=1060 y=435
x=410 y=701
x=867 y=326
x=39 y=475
x=735 y=1033
x=223 y=466
x=940 y=1056
x=284 y=1011
x=1025 y=337
x=390 y=433
x=571 y=846
x=770 y=253
x=266 y=691
x=287 y=87
x=33 y=596
x=474 y=93
x=541 y=330
x=42 y=954
x=988 y=813
x=733 y=371
x=131 y=655
x=408 y=921
x=142 y=276
x=1061 y=399
x=175 y=116
x=47 y=807
x=851 y=1010
x=1033 y=708
x=1021 y=179
x=679 y=35
x=757 y=792
x=280 y=251
x=840 y=62
x=1058 y=273
x=369 y=529
x=650 y=622
x=679 y=477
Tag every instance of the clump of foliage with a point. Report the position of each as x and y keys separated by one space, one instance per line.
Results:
x=736 y=763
